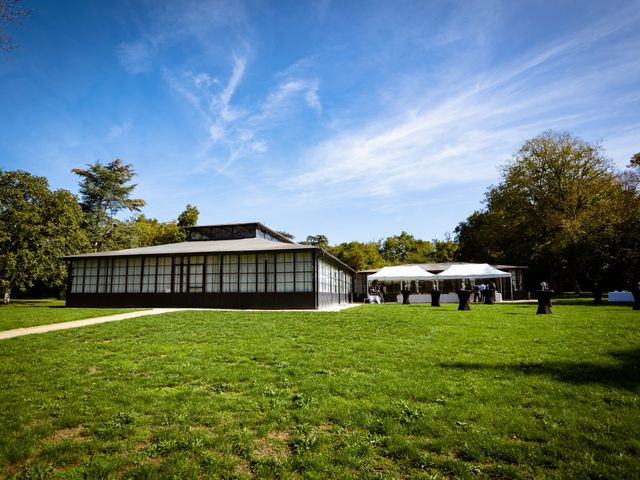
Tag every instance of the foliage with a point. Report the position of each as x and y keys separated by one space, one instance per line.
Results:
x=558 y=208
x=105 y=191
x=359 y=256
x=149 y=232
x=444 y=250
x=37 y=227
x=286 y=234
x=11 y=13
x=189 y=217
x=380 y=391
x=317 y=241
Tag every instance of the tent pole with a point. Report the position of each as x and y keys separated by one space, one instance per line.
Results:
x=511 y=286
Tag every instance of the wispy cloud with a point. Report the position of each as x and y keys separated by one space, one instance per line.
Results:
x=473 y=127
x=135 y=57
x=239 y=131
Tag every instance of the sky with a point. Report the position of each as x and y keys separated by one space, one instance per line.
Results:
x=356 y=120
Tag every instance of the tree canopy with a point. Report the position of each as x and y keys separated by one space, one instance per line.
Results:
x=189 y=217
x=104 y=191
x=558 y=208
x=37 y=227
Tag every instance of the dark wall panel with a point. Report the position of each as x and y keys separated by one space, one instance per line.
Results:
x=262 y=301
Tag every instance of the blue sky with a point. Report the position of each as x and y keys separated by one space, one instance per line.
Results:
x=355 y=120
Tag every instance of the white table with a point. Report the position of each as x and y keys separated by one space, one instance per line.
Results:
x=620 y=296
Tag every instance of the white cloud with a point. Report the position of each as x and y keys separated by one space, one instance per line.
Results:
x=135 y=57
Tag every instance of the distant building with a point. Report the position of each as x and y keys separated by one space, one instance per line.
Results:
x=238 y=266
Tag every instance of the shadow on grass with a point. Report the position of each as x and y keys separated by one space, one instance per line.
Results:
x=623 y=374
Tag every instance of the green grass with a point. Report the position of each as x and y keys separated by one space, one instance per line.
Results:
x=21 y=313
x=378 y=391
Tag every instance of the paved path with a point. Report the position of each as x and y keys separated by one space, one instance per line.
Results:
x=19 y=332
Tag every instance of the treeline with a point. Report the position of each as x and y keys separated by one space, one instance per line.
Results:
x=38 y=226
x=394 y=250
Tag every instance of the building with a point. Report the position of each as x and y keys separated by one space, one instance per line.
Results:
x=243 y=266
x=515 y=291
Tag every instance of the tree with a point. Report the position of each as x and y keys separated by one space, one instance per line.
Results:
x=317 y=241
x=359 y=256
x=104 y=192
x=11 y=13
x=286 y=235
x=149 y=232
x=555 y=209
x=37 y=227
x=189 y=217
x=396 y=249
x=405 y=248
x=444 y=250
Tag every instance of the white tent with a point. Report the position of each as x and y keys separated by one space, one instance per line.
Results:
x=402 y=273
x=471 y=271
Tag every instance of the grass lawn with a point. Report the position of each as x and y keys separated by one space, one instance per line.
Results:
x=21 y=313
x=377 y=391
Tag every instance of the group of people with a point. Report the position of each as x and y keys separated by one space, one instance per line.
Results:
x=376 y=294
x=481 y=290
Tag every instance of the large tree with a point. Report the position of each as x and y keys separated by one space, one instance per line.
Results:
x=37 y=227
x=358 y=255
x=317 y=241
x=557 y=208
x=105 y=190
x=189 y=217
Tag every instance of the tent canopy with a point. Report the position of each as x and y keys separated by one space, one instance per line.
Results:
x=402 y=272
x=472 y=271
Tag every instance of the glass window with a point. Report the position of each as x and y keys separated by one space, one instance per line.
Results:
x=149 y=275
x=285 y=272
x=134 y=273
x=212 y=282
x=119 y=275
x=248 y=273
x=196 y=271
x=77 y=276
x=304 y=272
x=230 y=273
x=91 y=276
x=164 y=275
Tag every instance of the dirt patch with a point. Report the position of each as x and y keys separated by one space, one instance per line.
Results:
x=243 y=468
x=93 y=371
x=275 y=445
x=75 y=433
x=283 y=436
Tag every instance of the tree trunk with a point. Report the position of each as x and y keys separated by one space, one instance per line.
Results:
x=597 y=294
x=6 y=296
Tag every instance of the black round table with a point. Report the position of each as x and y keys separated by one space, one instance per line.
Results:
x=489 y=296
x=435 y=298
x=636 y=298
x=463 y=299
x=544 y=301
